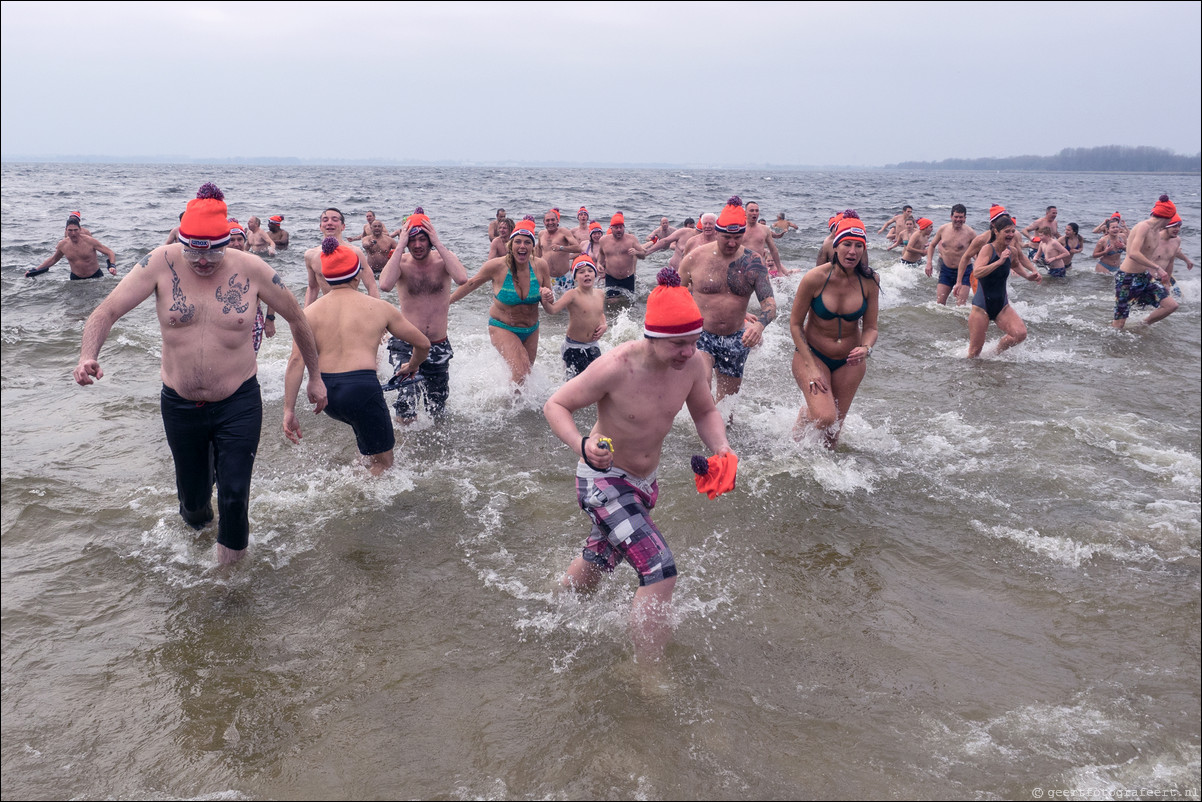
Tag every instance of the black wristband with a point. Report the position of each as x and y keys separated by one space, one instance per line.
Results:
x=37 y=271
x=584 y=454
x=270 y=317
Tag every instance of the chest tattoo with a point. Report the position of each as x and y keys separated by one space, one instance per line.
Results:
x=179 y=302
x=746 y=275
x=234 y=296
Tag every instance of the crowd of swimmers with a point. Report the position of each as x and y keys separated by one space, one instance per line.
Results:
x=216 y=299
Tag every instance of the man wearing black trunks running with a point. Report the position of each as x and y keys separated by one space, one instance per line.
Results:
x=347 y=326
x=80 y=250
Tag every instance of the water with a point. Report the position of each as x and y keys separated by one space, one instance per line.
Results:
x=990 y=590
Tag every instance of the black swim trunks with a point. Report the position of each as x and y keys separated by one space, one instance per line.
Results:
x=619 y=287
x=355 y=398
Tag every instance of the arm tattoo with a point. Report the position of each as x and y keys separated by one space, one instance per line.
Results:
x=179 y=302
x=145 y=261
x=748 y=274
x=233 y=297
x=275 y=279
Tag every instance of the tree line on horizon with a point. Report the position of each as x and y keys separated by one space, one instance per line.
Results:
x=1106 y=159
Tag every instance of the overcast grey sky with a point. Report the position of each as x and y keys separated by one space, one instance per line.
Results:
x=692 y=83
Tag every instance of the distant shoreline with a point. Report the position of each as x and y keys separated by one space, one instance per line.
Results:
x=286 y=162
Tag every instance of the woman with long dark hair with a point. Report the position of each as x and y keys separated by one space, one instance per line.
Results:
x=996 y=259
x=834 y=327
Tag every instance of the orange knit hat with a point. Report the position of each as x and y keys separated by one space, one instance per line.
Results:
x=204 y=223
x=733 y=219
x=583 y=260
x=850 y=228
x=924 y=223
x=524 y=228
x=1164 y=208
x=833 y=222
x=416 y=221
x=671 y=310
x=339 y=263
x=996 y=211
x=617 y=220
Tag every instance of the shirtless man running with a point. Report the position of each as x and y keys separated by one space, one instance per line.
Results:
x=492 y=225
x=722 y=278
x=616 y=475
x=1047 y=221
x=1168 y=251
x=757 y=238
x=558 y=247
x=422 y=278
x=618 y=256
x=371 y=218
x=205 y=294
x=378 y=247
x=951 y=239
x=581 y=232
x=708 y=235
x=664 y=229
x=896 y=222
x=331 y=224
x=783 y=225
x=678 y=241
x=1140 y=279
x=80 y=250
x=257 y=240
x=347 y=327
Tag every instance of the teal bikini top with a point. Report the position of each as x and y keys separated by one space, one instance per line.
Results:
x=509 y=294
x=820 y=308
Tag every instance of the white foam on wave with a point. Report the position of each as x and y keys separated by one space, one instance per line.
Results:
x=1124 y=434
x=896 y=279
x=1066 y=550
x=1075 y=735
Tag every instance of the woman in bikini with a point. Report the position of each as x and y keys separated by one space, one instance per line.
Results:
x=833 y=324
x=1110 y=249
x=518 y=282
x=1072 y=241
x=992 y=267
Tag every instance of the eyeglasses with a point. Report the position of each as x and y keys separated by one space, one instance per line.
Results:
x=209 y=254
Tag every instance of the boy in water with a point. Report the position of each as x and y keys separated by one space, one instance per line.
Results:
x=615 y=478
x=586 y=316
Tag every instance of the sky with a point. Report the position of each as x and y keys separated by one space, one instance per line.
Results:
x=710 y=84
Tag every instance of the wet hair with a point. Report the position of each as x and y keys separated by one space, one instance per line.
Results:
x=506 y=222
x=960 y=208
x=1002 y=222
x=907 y=206
x=688 y=223
x=341 y=216
x=1050 y=208
x=1076 y=229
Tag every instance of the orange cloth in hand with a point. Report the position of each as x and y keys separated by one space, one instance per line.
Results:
x=720 y=477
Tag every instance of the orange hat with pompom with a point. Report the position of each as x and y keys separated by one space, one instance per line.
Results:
x=204 y=224
x=671 y=310
x=339 y=262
